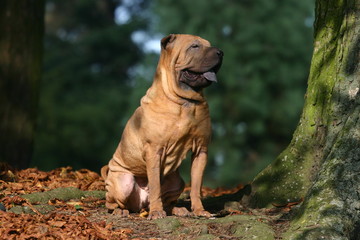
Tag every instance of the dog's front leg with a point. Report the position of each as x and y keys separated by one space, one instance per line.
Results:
x=197 y=171
x=153 y=169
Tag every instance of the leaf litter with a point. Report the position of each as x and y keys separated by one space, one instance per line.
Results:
x=87 y=217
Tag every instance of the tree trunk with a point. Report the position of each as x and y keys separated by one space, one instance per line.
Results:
x=322 y=162
x=21 y=27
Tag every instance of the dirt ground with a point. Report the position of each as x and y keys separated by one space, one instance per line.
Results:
x=67 y=204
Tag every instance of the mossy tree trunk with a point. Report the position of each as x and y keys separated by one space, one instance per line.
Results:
x=322 y=162
x=21 y=38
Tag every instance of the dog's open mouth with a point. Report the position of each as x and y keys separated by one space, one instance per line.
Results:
x=194 y=76
x=198 y=80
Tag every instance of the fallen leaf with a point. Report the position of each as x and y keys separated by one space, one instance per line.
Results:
x=57 y=223
x=144 y=214
x=289 y=204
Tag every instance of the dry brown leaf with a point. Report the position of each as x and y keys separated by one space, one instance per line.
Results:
x=56 y=223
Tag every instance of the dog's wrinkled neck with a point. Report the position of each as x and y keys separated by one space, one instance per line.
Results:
x=190 y=102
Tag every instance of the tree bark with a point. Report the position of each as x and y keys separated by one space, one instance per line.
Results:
x=21 y=27
x=322 y=162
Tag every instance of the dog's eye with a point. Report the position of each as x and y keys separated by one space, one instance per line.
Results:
x=195 y=46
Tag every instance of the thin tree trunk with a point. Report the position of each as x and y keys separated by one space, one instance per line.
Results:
x=322 y=162
x=21 y=38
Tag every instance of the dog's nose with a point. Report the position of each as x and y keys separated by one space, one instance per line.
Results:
x=220 y=53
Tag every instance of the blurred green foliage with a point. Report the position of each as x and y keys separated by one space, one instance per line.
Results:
x=95 y=75
x=84 y=95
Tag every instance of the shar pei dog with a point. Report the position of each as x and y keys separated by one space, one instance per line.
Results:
x=172 y=119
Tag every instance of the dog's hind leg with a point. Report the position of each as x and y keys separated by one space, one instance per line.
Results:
x=120 y=188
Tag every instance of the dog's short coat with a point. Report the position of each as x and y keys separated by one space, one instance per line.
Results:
x=172 y=120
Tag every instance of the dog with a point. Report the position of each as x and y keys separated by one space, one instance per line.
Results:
x=173 y=119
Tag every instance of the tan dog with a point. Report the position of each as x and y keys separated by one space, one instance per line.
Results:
x=172 y=120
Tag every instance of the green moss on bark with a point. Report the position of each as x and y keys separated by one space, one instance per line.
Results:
x=322 y=161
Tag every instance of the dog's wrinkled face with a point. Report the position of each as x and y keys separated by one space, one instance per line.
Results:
x=197 y=62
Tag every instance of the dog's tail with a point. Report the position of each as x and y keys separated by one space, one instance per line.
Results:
x=104 y=171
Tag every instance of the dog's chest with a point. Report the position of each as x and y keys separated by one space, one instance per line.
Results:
x=191 y=129
x=177 y=130
x=191 y=122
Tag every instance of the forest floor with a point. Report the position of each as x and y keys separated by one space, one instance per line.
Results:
x=68 y=204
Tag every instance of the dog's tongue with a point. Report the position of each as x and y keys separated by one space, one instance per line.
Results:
x=211 y=76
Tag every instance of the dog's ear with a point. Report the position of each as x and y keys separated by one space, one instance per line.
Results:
x=167 y=40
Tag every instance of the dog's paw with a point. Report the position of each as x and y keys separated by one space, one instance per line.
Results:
x=180 y=212
x=121 y=212
x=202 y=213
x=111 y=205
x=156 y=214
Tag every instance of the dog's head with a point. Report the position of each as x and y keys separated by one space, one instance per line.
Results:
x=195 y=61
